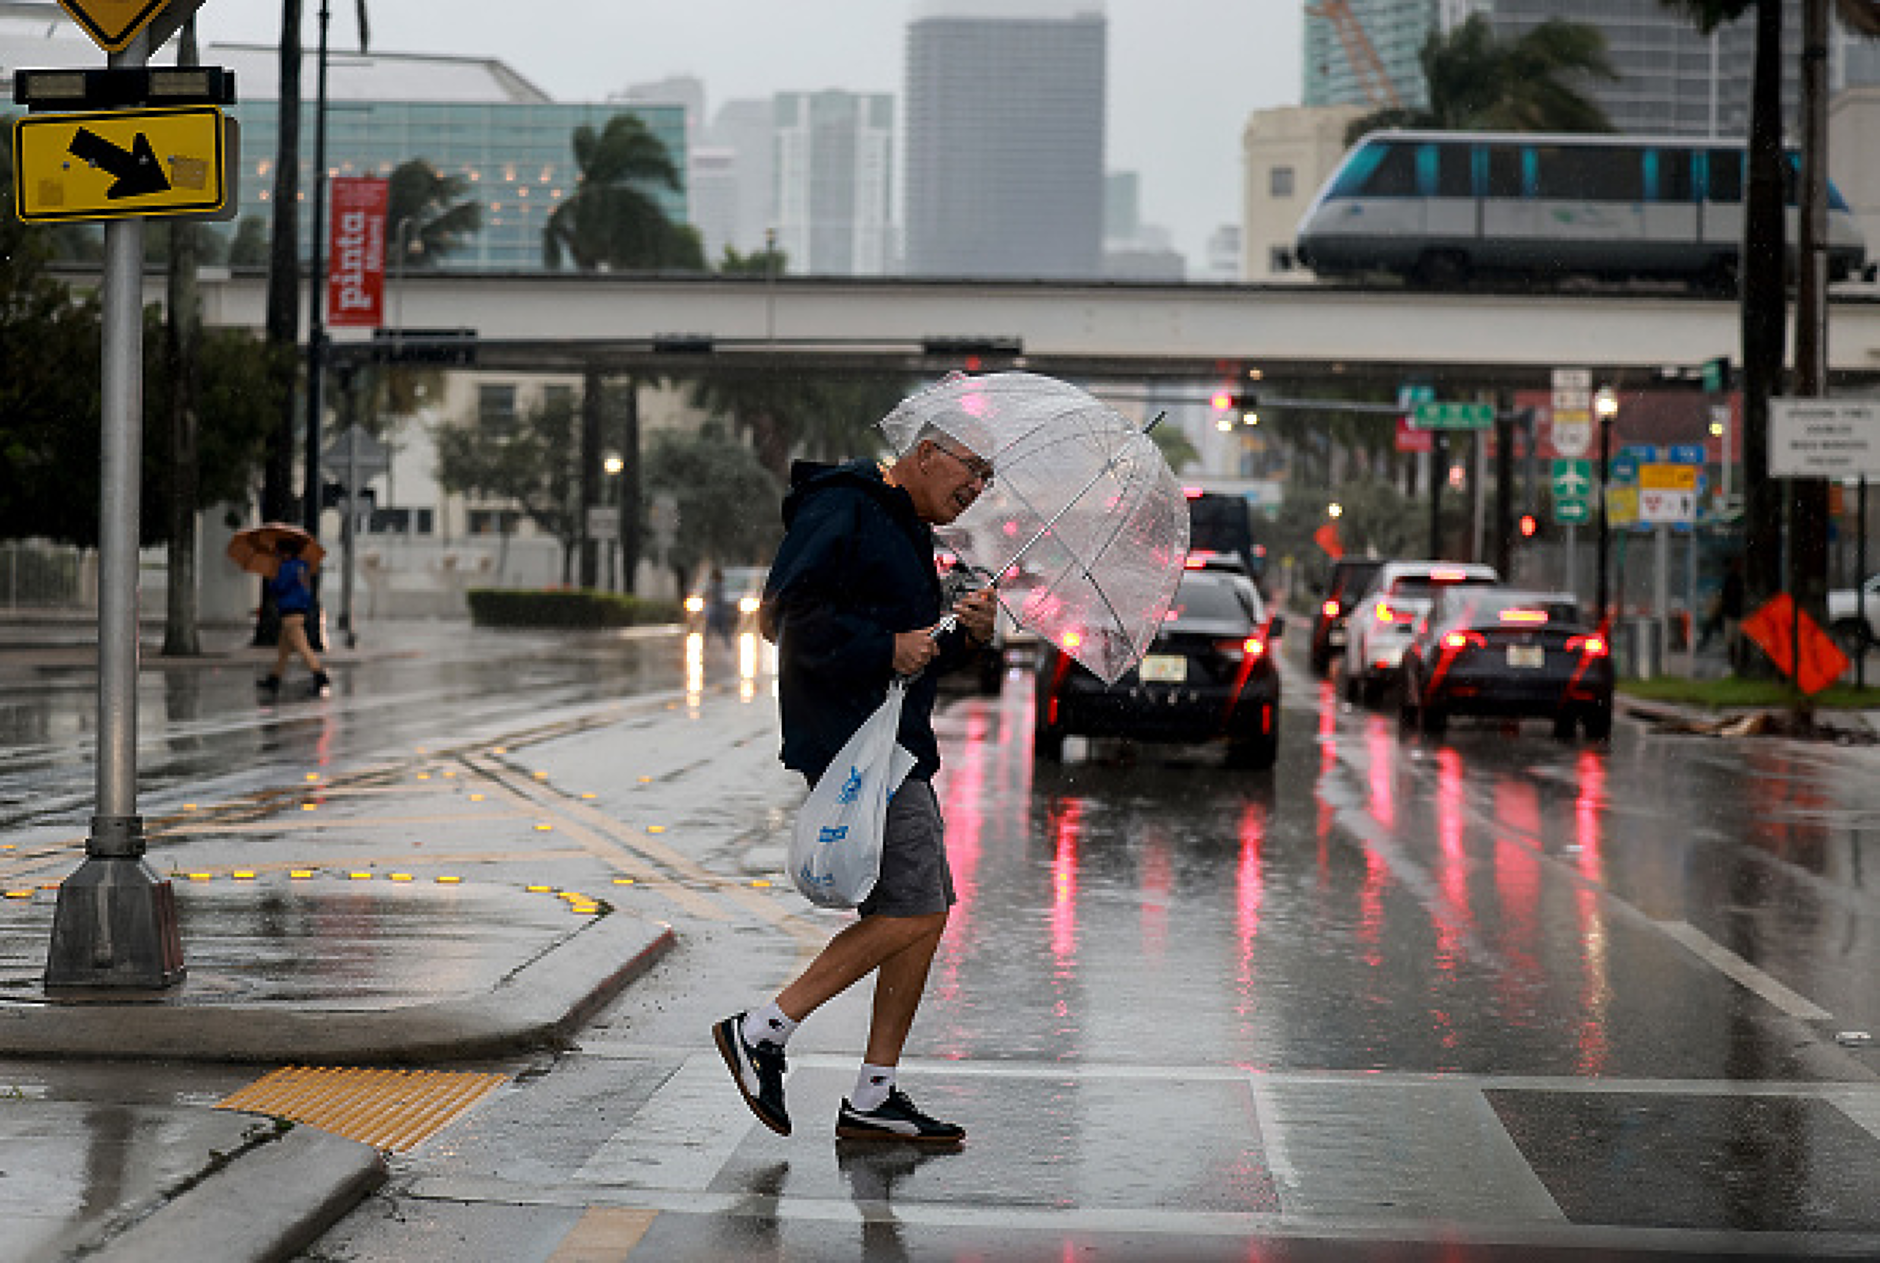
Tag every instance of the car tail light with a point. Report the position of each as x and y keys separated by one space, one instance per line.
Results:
x=1589 y=646
x=1384 y=613
x=1240 y=650
x=1331 y=609
x=1462 y=640
x=1523 y=616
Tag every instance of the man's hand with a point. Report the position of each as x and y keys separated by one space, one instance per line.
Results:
x=913 y=650
x=975 y=611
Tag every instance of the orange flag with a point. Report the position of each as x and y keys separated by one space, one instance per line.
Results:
x=1775 y=626
x=1326 y=537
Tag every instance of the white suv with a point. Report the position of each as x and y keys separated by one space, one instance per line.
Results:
x=1386 y=617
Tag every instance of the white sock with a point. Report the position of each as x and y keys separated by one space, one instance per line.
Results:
x=768 y=1025
x=872 y=1086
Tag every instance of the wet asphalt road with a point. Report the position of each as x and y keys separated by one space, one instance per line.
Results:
x=1487 y=996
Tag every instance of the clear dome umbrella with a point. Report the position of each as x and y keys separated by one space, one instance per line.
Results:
x=1083 y=529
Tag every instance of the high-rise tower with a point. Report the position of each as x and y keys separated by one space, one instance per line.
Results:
x=1005 y=129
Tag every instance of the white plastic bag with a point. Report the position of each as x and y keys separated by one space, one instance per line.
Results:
x=835 y=849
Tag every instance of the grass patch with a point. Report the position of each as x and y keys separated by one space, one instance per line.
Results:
x=1732 y=693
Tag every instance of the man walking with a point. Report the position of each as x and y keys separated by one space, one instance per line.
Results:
x=852 y=601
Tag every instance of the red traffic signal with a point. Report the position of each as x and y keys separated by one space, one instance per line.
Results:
x=1529 y=526
x=1222 y=400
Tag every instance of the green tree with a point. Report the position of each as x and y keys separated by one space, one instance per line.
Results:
x=702 y=473
x=249 y=247
x=822 y=418
x=430 y=213
x=1479 y=83
x=611 y=221
x=535 y=464
x=1176 y=447
x=770 y=261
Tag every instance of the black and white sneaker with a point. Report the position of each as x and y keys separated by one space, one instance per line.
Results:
x=758 y=1070
x=895 y=1119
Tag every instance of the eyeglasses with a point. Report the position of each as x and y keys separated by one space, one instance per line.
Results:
x=976 y=469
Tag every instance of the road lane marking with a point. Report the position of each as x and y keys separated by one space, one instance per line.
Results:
x=1740 y=971
x=605 y=1234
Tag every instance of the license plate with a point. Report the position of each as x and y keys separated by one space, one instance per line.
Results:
x=1164 y=668
x=1526 y=657
x=1335 y=637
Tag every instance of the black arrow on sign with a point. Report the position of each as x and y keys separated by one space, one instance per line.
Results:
x=137 y=170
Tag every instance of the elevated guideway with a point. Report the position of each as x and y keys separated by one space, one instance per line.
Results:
x=1290 y=333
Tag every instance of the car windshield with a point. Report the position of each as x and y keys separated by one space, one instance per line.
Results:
x=1486 y=607
x=1213 y=600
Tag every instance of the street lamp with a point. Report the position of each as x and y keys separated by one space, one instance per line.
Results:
x=611 y=466
x=1605 y=407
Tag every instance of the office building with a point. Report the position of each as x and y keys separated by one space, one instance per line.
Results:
x=1005 y=139
x=1286 y=154
x=1672 y=79
x=833 y=178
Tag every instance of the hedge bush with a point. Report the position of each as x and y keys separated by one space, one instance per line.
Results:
x=566 y=607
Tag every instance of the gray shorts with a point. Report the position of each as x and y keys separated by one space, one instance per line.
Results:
x=915 y=879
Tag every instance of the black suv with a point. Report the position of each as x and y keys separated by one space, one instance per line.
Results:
x=1349 y=578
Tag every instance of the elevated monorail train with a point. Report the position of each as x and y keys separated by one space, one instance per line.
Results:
x=1439 y=208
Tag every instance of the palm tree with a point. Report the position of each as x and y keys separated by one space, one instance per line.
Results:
x=428 y=214
x=1479 y=83
x=611 y=220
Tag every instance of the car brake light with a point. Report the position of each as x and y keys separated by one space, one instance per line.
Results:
x=1462 y=640
x=1448 y=576
x=1590 y=646
x=1330 y=608
x=1072 y=640
x=1196 y=561
x=1384 y=613
x=1238 y=650
x=1523 y=616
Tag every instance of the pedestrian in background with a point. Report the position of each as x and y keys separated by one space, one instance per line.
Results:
x=718 y=620
x=292 y=590
x=1730 y=599
x=853 y=600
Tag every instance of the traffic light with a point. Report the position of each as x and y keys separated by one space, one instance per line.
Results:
x=1529 y=526
x=1229 y=405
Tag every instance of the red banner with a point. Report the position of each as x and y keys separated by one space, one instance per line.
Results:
x=355 y=251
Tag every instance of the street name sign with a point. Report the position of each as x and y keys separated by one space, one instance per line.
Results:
x=1454 y=416
x=1824 y=438
x=122 y=164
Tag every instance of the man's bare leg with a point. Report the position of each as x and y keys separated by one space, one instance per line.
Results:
x=850 y=955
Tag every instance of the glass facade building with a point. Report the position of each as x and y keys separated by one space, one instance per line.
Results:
x=516 y=158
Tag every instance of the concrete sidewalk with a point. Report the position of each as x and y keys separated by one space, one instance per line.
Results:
x=317 y=968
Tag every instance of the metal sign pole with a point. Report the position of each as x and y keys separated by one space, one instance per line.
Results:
x=115 y=924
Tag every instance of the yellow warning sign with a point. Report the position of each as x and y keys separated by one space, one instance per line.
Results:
x=112 y=24
x=121 y=164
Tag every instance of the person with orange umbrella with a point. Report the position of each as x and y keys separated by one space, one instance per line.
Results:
x=291 y=586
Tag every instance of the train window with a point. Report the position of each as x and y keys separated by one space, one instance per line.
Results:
x=1670 y=174
x=1504 y=171
x=1395 y=175
x=1724 y=179
x=1452 y=177
x=1590 y=173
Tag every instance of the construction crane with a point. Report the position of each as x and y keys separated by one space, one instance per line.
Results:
x=1365 y=64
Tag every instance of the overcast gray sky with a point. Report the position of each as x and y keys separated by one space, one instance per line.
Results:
x=1184 y=74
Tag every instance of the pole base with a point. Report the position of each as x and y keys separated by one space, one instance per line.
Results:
x=115 y=926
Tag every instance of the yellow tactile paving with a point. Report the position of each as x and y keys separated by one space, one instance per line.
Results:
x=387 y=1109
x=605 y=1234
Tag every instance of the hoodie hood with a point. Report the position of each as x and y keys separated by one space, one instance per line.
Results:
x=810 y=478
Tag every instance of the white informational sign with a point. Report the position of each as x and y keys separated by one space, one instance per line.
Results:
x=603 y=522
x=1666 y=505
x=1572 y=432
x=1824 y=438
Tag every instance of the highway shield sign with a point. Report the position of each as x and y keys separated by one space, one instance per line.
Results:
x=120 y=164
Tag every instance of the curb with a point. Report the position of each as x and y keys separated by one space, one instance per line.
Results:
x=542 y=1002
x=306 y=1180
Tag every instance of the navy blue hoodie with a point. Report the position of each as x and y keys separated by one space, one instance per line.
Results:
x=855 y=567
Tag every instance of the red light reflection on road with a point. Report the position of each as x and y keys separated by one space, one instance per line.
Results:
x=1518 y=887
x=1595 y=985
x=1452 y=872
x=964 y=811
x=1381 y=747
x=1156 y=880
x=1067 y=819
x=1249 y=894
